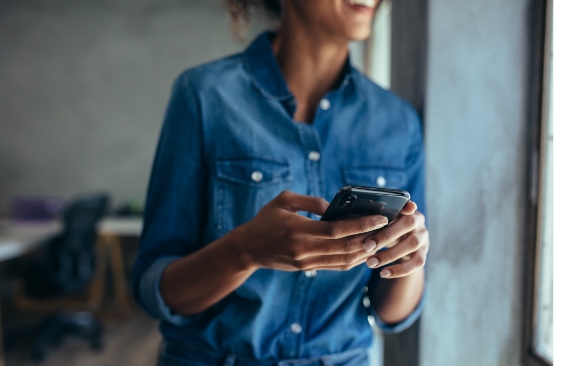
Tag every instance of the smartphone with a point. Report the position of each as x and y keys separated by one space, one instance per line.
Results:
x=354 y=201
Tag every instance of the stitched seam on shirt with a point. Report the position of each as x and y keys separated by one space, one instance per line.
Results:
x=228 y=157
x=243 y=183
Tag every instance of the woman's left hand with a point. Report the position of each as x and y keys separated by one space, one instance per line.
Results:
x=407 y=241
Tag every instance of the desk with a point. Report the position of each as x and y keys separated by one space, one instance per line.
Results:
x=20 y=238
x=120 y=226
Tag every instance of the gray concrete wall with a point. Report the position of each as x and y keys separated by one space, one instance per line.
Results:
x=84 y=85
x=476 y=138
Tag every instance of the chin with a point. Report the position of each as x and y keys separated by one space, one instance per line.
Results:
x=359 y=34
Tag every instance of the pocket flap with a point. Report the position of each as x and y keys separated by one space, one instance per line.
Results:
x=254 y=172
x=375 y=176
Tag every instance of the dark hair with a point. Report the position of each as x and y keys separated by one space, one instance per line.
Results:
x=242 y=11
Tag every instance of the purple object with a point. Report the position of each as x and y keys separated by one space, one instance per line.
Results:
x=36 y=208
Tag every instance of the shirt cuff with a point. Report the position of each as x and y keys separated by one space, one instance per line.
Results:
x=151 y=297
x=404 y=324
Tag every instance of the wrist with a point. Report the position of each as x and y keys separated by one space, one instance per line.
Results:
x=234 y=244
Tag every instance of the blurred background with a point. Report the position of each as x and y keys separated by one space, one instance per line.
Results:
x=83 y=89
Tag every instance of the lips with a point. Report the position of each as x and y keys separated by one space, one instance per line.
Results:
x=364 y=3
x=365 y=7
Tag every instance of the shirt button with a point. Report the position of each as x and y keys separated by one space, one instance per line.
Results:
x=371 y=320
x=380 y=181
x=311 y=273
x=256 y=176
x=325 y=104
x=366 y=301
x=314 y=155
x=296 y=328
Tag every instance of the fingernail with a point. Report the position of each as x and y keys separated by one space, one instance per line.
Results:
x=381 y=221
x=385 y=273
x=369 y=245
x=372 y=262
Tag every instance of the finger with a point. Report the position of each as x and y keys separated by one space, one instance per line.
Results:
x=405 y=268
x=343 y=267
x=341 y=262
x=409 y=208
x=400 y=226
x=412 y=243
x=324 y=247
x=393 y=243
x=344 y=228
x=314 y=247
x=295 y=202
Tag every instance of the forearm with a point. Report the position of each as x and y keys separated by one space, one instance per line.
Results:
x=395 y=299
x=194 y=283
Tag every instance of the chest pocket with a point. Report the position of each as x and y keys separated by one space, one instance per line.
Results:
x=244 y=185
x=375 y=176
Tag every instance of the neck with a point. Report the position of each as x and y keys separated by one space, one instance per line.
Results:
x=311 y=62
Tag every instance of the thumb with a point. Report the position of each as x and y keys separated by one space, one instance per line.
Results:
x=295 y=202
x=409 y=208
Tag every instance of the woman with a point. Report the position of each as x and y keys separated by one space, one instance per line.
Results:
x=233 y=271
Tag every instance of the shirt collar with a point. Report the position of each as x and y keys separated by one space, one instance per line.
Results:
x=268 y=78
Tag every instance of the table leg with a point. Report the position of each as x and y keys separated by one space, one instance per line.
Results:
x=114 y=249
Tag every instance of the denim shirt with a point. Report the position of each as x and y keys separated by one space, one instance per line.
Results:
x=229 y=145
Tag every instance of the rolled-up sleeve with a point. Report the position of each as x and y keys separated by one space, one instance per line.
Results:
x=175 y=201
x=150 y=296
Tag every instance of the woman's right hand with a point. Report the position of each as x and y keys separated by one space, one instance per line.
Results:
x=279 y=238
x=276 y=238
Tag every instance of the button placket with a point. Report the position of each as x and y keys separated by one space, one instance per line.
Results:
x=311 y=146
x=296 y=316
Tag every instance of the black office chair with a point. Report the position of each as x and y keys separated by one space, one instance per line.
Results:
x=66 y=269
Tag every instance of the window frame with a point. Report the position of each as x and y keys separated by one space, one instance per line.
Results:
x=538 y=119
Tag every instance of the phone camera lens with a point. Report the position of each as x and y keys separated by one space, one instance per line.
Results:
x=348 y=200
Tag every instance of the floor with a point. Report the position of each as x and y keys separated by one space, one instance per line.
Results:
x=132 y=341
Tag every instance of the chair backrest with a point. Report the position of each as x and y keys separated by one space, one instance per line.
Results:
x=74 y=251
